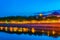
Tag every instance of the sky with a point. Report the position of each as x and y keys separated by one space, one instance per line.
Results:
x=27 y=7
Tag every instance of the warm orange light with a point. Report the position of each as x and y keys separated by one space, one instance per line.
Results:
x=20 y=30
x=48 y=19
x=6 y=22
x=53 y=32
x=13 y=22
x=1 y=28
x=11 y=29
x=25 y=29
x=33 y=21
x=15 y=29
x=18 y=22
x=42 y=30
x=6 y=28
x=33 y=30
x=53 y=21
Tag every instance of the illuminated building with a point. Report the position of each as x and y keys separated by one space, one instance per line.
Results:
x=40 y=14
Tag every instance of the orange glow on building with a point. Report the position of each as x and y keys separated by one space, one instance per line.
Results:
x=33 y=21
x=13 y=22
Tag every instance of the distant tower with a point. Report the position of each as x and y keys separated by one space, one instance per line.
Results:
x=40 y=14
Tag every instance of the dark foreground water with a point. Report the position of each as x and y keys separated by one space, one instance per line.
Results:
x=7 y=36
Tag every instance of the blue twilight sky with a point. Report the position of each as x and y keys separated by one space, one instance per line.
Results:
x=27 y=7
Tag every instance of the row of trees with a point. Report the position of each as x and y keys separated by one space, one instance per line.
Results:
x=20 y=18
x=23 y=18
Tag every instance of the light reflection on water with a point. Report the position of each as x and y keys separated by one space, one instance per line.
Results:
x=6 y=36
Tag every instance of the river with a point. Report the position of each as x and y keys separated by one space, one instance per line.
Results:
x=7 y=36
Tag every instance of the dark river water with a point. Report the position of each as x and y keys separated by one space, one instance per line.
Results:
x=6 y=36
